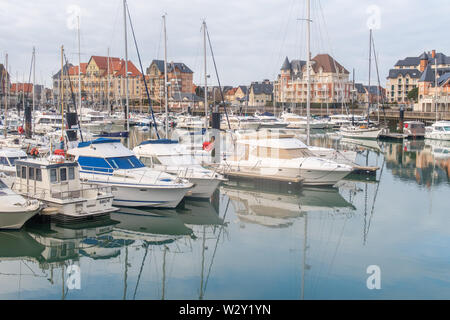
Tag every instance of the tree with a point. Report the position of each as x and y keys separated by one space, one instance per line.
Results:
x=413 y=94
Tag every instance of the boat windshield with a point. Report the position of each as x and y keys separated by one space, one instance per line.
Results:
x=2 y=185
x=109 y=164
x=12 y=160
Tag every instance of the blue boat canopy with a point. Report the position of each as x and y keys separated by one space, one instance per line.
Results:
x=268 y=114
x=97 y=141
x=159 y=141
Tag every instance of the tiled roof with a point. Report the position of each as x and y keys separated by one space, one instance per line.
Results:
x=261 y=88
x=328 y=64
x=171 y=65
x=413 y=73
x=22 y=87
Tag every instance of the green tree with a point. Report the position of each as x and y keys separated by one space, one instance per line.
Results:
x=413 y=94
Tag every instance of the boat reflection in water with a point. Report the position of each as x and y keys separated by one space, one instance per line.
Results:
x=272 y=207
x=426 y=162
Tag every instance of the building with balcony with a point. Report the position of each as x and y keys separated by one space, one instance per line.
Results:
x=407 y=73
x=329 y=81
x=179 y=79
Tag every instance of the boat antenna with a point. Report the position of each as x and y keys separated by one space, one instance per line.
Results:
x=143 y=76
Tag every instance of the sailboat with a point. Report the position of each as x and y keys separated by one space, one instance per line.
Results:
x=364 y=131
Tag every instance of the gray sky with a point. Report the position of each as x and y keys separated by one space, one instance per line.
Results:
x=250 y=38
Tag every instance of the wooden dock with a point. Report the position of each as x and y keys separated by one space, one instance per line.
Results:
x=365 y=170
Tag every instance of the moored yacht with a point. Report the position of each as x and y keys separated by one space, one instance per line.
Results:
x=269 y=121
x=173 y=157
x=438 y=131
x=56 y=182
x=107 y=162
x=300 y=122
x=8 y=158
x=15 y=210
x=283 y=156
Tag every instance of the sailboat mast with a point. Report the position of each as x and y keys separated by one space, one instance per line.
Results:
x=206 y=75
x=62 y=93
x=5 y=126
x=79 y=71
x=368 y=87
x=109 y=83
x=165 y=79
x=435 y=87
x=126 y=68
x=34 y=83
x=308 y=66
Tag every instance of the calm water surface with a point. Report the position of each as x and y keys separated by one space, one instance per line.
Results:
x=258 y=241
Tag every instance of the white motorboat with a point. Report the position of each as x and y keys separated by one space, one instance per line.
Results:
x=8 y=158
x=239 y=122
x=283 y=156
x=339 y=120
x=439 y=130
x=190 y=122
x=300 y=122
x=15 y=210
x=56 y=182
x=107 y=162
x=269 y=121
x=173 y=157
x=360 y=132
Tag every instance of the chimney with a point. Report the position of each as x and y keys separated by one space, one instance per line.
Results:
x=423 y=64
x=433 y=54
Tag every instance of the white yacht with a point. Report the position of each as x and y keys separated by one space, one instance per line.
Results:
x=47 y=122
x=269 y=121
x=283 y=156
x=107 y=162
x=15 y=210
x=438 y=131
x=56 y=182
x=239 y=122
x=8 y=158
x=301 y=122
x=190 y=122
x=173 y=157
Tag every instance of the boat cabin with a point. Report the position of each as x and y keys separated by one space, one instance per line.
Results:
x=38 y=176
x=414 y=129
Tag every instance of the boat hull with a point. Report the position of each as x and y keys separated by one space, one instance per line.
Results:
x=204 y=188
x=144 y=196
x=361 y=134
x=15 y=220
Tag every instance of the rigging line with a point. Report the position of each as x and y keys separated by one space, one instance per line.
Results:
x=143 y=76
x=140 y=271
x=375 y=197
x=282 y=40
x=215 y=248
x=379 y=84
x=72 y=96
x=218 y=79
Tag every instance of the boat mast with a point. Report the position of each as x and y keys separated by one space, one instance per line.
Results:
x=62 y=93
x=435 y=87
x=165 y=79
x=107 y=87
x=79 y=71
x=368 y=87
x=5 y=126
x=34 y=83
x=308 y=66
x=206 y=75
x=126 y=69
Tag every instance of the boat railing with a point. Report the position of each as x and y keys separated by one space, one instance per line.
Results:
x=97 y=169
x=42 y=193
